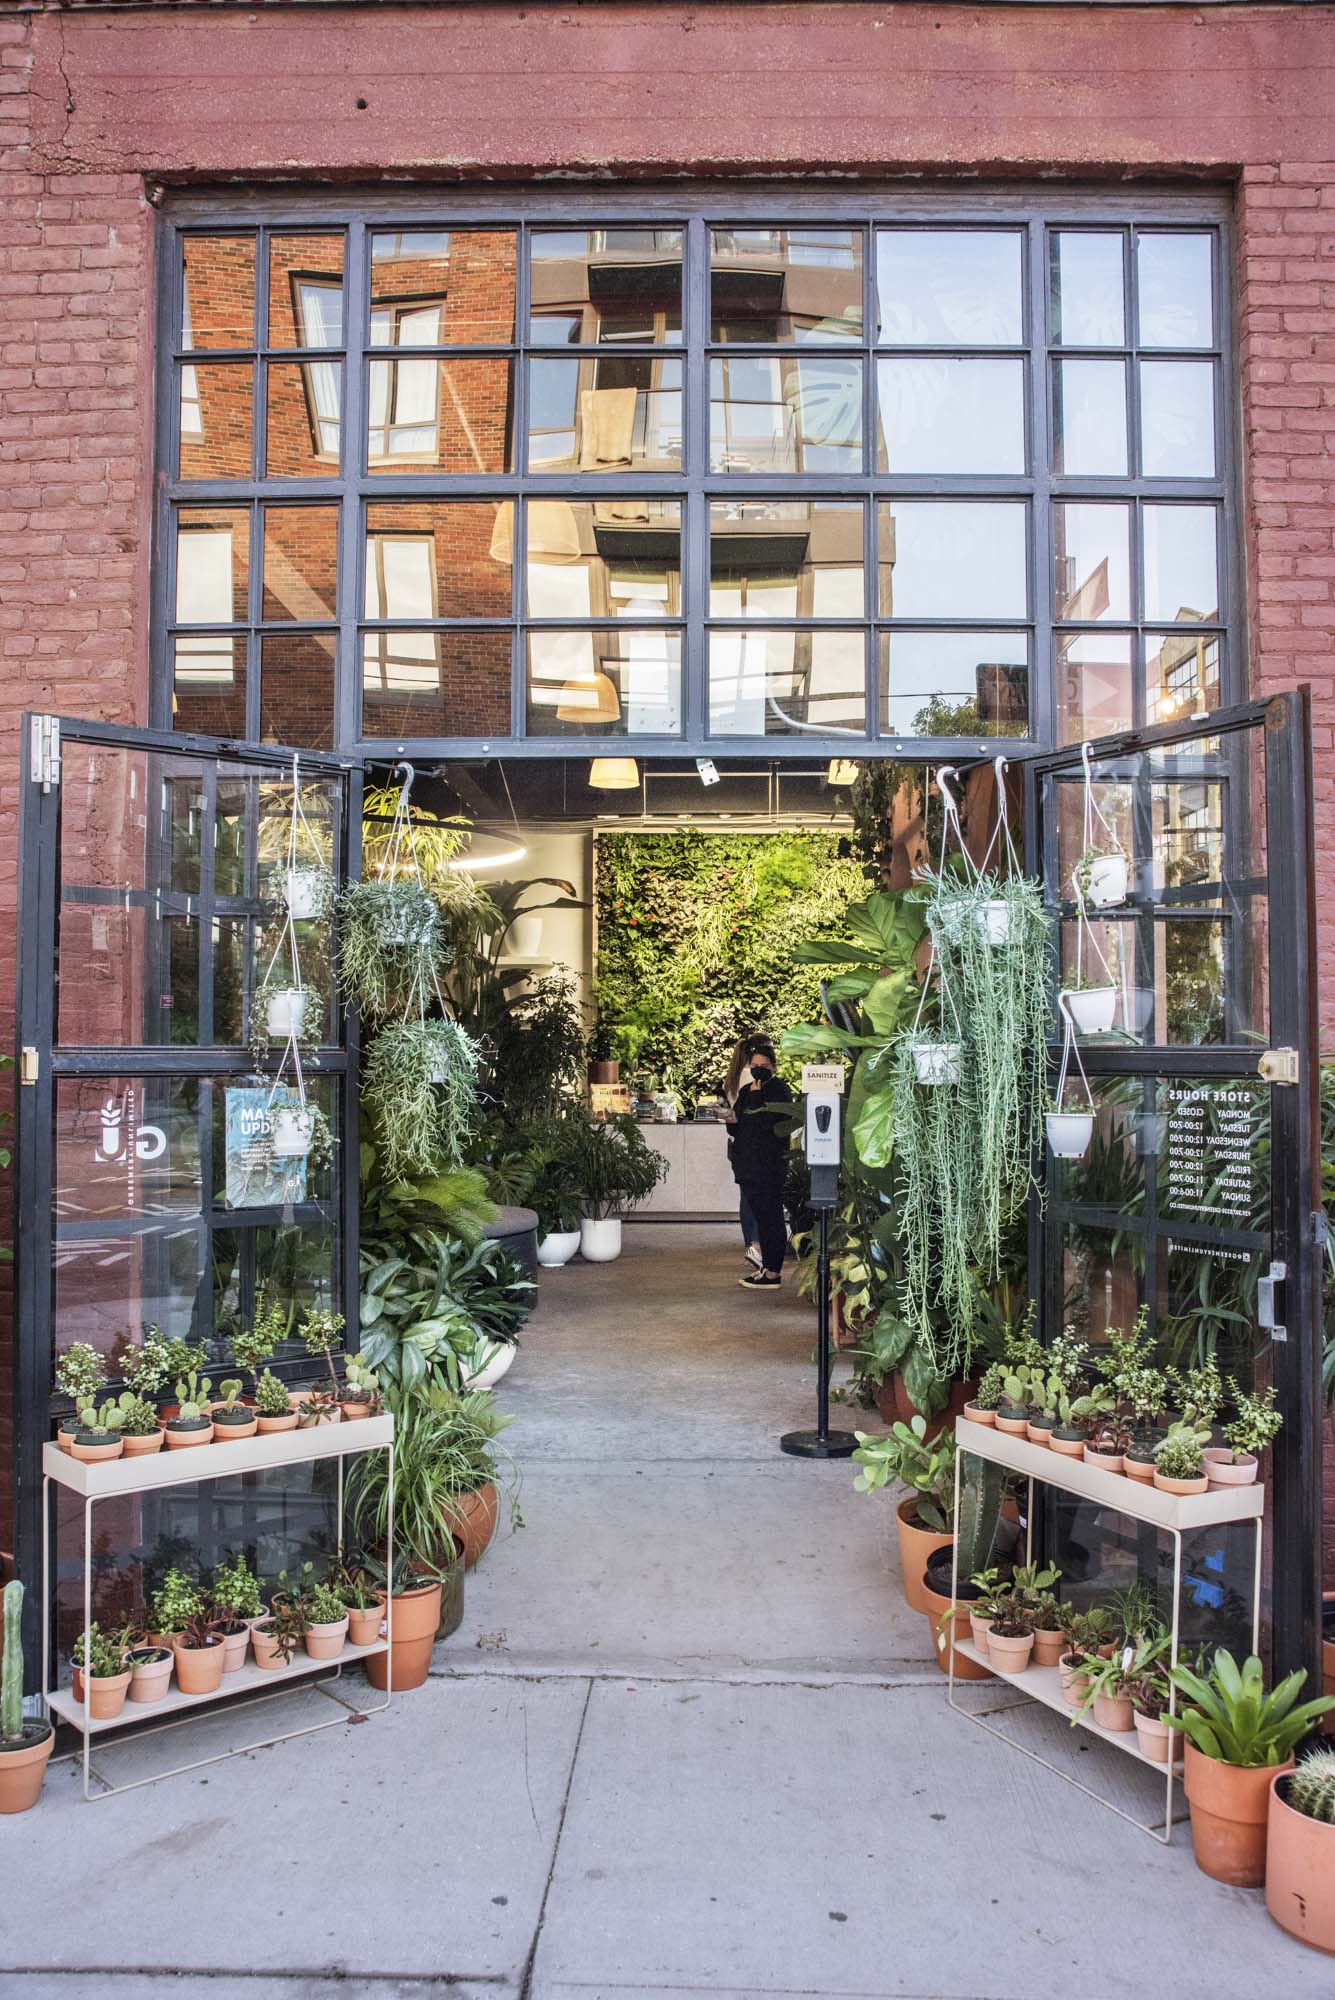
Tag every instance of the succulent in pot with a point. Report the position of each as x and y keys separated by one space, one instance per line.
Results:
x=321 y=1335
x=1102 y=877
x=982 y=1406
x=200 y=1650
x=1106 y=1445
x=1112 y=1683
x=1033 y=1596
x=106 y=1676
x=1149 y=1702
x=191 y=1424
x=99 y=1432
x=364 y=1600
x=1010 y=1640
x=273 y=1411
x=141 y=1427
x=233 y=1419
x=25 y=1744
x=326 y=1622
x=1254 y=1426
x=81 y=1375
x=1300 y=1850
x=361 y=1389
x=1179 y=1460
x=275 y=1638
x=992 y=1588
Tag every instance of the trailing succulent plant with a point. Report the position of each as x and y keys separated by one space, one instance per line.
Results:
x=419 y=1086
x=391 y=945
x=1311 y=1787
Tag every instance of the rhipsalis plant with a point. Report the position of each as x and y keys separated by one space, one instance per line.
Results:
x=419 y=1086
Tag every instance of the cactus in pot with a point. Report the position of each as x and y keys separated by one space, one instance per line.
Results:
x=24 y=1746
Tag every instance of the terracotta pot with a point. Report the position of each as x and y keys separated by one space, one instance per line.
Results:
x=416 y=1616
x=1038 y=1433
x=1138 y=1468
x=451 y=1601
x=1223 y=1469
x=906 y=1409
x=76 y=1683
x=473 y=1518
x=1166 y=1484
x=295 y=1397
x=1299 y=1871
x=915 y=1545
x=605 y=1072
x=201 y=1433
x=235 y=1647
x=1048 y=1647
x=1230 y=1806
x=1009 y=1655
x=977 y=1416
x=150 y=1679
x=106 y=1695
x=22 y=1770
x=364 y=1626
x=1154 y=1737
x=267 y=1426
x=1114 y=1711
x=1327 y=1723
x=939 y=1637
x=1074 y=1681
x=1107 y=1461
x=978 y=1628
x=329 y=1414
x=199 y=1669
x=142 y=1447
x=325 y=1642
x=65 y=1430
x=354 y=1412
x=1012 y=1426
x=232 y=1433
x=93 y=1454
x=1067 y=1447
x=265 y=1648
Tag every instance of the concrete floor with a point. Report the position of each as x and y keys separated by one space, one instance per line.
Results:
x=688 y=1741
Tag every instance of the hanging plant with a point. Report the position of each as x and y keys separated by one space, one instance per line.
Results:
x=391 y=944
x=1102 y=875
x=933 y=1143
x=420 y=1087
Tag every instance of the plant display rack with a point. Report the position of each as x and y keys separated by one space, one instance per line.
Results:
x=1174 y=1514
x=123 y=1478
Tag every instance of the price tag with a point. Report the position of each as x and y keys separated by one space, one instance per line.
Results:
x=823 y=1076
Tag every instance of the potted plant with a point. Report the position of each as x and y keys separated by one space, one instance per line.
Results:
x=300 y=1131
x=238 y=1603
x=615 y=1168
x=1069 y=1130
x=318 y=1406
x=361 y=1390
x=1300 y=1850
x=326 y=1621
x=1179 y=1459
x=200 y=1652
x=925 y=1519
x=390 y=944
x=992 y=1588
x=275 y=1638
x=308 y=892
x=105 y=1670
x=1238 y=1736
x=1102 y=875
x=25 y=1746
x=1085 y=1633
x=1106 y=1445
x=950 y=1618
x=1149 y=1701
x=419 y=1087
x=1254 y=1426
x=983 y=1404
x=141 y=1427
x=233 y=1419
x=936 y=1058
x=1010 y=1639
x=273 y=1409
x=1089 y=1004
x=424 y=1549
x=150 y=1671
x=1031 y=1587
x=364 y=1601
x=99 y=1432
x=320 y=1334
x=191 y=1424
x=175 y=1604
x=603 y=1065
x=81 y=1374
x=1112 y=1683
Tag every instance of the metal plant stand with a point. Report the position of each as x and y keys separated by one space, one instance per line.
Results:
x=124 y=1478
x=1175 y=1514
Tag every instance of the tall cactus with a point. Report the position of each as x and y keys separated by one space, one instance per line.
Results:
x=1311 y=1788
x=11 y=1677
x=982 y=1489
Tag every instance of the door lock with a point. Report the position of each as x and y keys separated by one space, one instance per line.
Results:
x=1279 y=1066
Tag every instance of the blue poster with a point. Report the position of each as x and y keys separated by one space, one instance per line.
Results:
x=255 y=1179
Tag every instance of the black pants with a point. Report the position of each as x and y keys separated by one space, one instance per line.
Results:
x=765 y=1200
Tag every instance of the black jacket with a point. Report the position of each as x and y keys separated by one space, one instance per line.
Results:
x=758 y=1151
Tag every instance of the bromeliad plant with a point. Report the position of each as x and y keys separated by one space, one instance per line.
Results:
x=1230 y=1717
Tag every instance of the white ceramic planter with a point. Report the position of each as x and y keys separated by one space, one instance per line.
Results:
x=1109 y=878
x=526 y=934
x=285 y=1013
x=303 y=892
x=1069 y=1133
x=994 y=921
x=496 y=1360
x=1092 y=1008
x=557 y=1248
x=600 y=1238
x=290 y=1138
x=937 y=1062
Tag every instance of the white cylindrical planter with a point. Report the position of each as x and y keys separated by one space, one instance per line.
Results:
x=1092 y=1008
x=600 y=1238
x=557 y=1247
x=303 y=891
x=1069 y=1133
x=994 y=920
x=937 y=1062
x=526 y=934
x=285 y=1013
x=291 y=1135
x=497 y=1358
x=1109 y=879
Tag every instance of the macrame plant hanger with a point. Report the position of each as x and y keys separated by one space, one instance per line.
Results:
x=950 y=817
x=403 y=838
x=297 y=822
x=1084 y=931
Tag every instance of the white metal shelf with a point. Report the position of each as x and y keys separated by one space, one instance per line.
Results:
x=1140 y=1498
x=1043 y=1684
x=249 y=1679
x=149 y=1472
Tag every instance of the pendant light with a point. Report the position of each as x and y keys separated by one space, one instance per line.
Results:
x=590 y=699
x=614 y=774
x=842 y=771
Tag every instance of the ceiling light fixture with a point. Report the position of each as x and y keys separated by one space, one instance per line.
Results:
x=489 y=850
x=614 y=774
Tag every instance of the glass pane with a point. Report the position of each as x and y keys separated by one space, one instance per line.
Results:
x=954 y=683
x=778 y=285
x=297 y=689
x=601 y=558
x=778 y=413
x=306 y=291
x=949 y=287
x=300 y=563
x=952 y=559
x=126 y=1147
x=1189 y=980
x=245 y=1173
x=107 y=1285
x=1181 y=675
x=1173 y=273
x=1112 y=798
x=442 y=287
x=599 y=286
x=436 y=683
x=1092 y=560
x=604 y=414
x=443 y=416
x=218 y=303
x=1093 y=684
x=304 y=420
x=1112 y=1173
x=1181 y=564
x=786 y=559
x=212 y=565
x=216 y=398
x=1102 y=952
x=787 y=683
x=1089 y=418
x=429 y=559
x=1085 y=274
x=1213 y=1140
x=1102 y=1270
x=1177 y=419
x=209 y=685
x=940 y=415
x=1207 y=1305
x=609 y=683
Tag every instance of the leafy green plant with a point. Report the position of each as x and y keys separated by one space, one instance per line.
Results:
x=80 y=1373
x=1133 y=1612
x=1256 y=1424
x=139 y=1416
x=613 y=1164
x=390 y=944
x=104 y=1655
x=456 y=1203
x=1181 y=1454
x=177 y=1602
x=426 y=1317
x=1130 y=1671
x=419 y=1088
x=1311 y=1788
x=927 y=1465
x=252 y=1346
x=236 y=1589
x=537 y=1049
x=320 y=1333
x=1086 y=1630
x=444 y=1446
x=1230 y=1717
x=150 y=1364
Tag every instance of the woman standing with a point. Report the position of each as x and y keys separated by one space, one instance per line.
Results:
x=739 y=1075
x=759 y=1157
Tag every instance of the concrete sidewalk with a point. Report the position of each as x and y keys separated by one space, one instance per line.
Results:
x=688 y=1741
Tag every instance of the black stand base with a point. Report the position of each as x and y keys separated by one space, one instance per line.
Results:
x=810 y=1444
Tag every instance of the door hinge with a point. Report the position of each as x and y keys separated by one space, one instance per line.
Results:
x=1279 y=1066
x=44 y=756
x=30 y=1067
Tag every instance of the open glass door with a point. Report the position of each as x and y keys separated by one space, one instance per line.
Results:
x=153 y=872
x=1197 y=1197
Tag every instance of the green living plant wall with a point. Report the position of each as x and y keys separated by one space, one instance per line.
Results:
x=697 y=941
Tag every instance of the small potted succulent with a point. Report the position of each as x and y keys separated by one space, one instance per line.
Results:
x=25 y=1744
x=1107 y=1444
x=361 y=1390
x=105 y=1670
x=191 y=1423
x=982 y=1406
x=1179 y=1459
x=273 y=1408
x=150 y=1670
x=237 y=1600
x=1112 y=1684
x=1254 y=1426
x=320 y=1334
x=1010 y=1639
x=364 y=1601
x=1083 y=1632
x=200 y=1651
x=99 y=1432
x=327 y=1619
x=1012 y=1410
x=233 y=1419
x=175 y=1603
x=318 y=1406
x=81 y=1374
x=141 y=1427
x=1300 y=1850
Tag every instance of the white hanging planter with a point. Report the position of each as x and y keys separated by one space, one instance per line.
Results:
x=304 y=891
x=600 y=1238
x=285 y=1013
x=1092 y=1009
x=993 y=919
x=1069 y=1133
x=557 y=1247
x=1109 y=880
x=491 y=1360
x=937 y=1062
x=526 y=934
x=293 y=1127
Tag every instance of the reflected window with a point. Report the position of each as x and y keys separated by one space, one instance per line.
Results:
x=607 y=683
x=442 y=287
x=954 y=683
x=1089 y=418
x=800 y=285
x=442 y=683
x=787 y=683
x=604 y=415
x=1094 y=693
x=775 y=413
x=1181 y=675
x=601 y=558
x=786 y=559
x=212 y=565
x=306 y=291
x=1091 y=561
x=451 y=416
x=1173 y=272
x=601 y=287
x=438 y=560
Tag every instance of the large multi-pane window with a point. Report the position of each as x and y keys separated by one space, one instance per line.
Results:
x=696 y=477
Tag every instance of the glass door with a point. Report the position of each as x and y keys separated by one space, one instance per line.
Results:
x=1197 y=1197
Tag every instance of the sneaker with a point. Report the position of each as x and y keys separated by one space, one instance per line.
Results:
x=753 y=1256
x=760 y=1281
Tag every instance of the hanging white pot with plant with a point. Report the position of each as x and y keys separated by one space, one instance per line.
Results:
x=1069 y=1128
x=1091 y=1009
x=285 y=1013
x=1102 y=876
x=308 y=893
x=292 y=1127
x=936 y=1061
x=993 y=919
